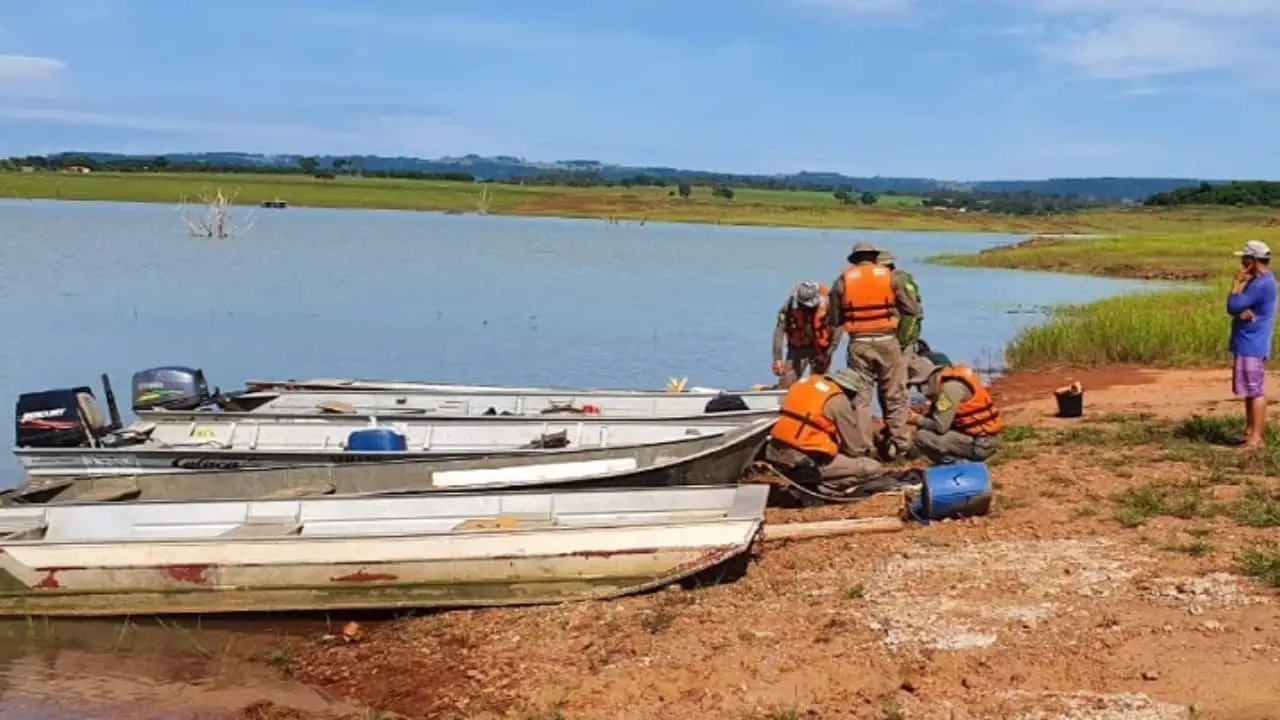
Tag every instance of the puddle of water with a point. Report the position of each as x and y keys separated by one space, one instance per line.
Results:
x=53 y=670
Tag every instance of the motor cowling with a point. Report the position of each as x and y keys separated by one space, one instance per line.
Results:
x=58 y=418
x=170 y=388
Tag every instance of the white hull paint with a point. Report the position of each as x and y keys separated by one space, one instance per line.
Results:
x=329 y=553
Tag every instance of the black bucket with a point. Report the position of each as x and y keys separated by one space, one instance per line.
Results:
x=1070 y=403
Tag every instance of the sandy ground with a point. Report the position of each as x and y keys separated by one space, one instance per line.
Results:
x=1046 y=608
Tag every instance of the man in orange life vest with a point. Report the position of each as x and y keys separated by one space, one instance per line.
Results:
x=819 y=427
x=804 y=334
x=866 y=302
x=962 y=424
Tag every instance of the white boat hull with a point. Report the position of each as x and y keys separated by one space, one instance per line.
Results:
x=332 y=553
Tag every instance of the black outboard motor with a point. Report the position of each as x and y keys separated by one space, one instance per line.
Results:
x=170 y=388
x=69 y=417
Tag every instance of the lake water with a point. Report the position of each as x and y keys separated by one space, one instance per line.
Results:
x=87 y=288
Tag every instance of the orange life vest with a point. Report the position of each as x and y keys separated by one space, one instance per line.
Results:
x=802 y=424
x=808 y=328
x=868 y=300
x=977 y=415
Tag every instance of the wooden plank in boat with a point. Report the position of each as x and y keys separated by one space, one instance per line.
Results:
x=505 y=522
x=300 y=491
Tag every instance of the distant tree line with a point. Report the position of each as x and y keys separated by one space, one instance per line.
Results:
x=1015 y=203
x=1248 y=193
x=589 y=175
x=305 y=166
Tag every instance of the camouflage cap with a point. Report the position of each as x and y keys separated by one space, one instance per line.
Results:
x=887 y=258
x=808 y=294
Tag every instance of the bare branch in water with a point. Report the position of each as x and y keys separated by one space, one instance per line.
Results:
x=216 y=222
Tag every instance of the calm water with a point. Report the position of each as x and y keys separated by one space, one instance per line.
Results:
x=87 y=288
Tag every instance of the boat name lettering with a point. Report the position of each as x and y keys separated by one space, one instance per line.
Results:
x=110 y=460
x=208 y=464
x=347 y=458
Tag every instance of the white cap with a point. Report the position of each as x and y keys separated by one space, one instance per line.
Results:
x=1255 y=249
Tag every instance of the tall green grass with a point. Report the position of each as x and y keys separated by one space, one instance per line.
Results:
x=1184 y=327
x=1164 y=328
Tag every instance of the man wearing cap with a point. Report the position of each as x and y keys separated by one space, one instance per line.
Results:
x=866 y=302
x=909 y=326
x=820 y=427
x=1252 y=307
x=804 y=334
x=962 y=423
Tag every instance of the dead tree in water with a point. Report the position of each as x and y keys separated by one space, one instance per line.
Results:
x=216 y=221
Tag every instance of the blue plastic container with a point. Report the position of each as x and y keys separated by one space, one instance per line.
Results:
x=376 y=440
x=953 y=491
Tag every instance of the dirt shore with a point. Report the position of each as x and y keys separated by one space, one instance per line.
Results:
x=1053 y=606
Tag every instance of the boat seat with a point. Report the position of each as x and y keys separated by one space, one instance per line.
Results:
x=91 y=413
x=264 y=528
x=141 y=428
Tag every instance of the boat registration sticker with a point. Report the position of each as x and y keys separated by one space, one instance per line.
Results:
x=203 y=432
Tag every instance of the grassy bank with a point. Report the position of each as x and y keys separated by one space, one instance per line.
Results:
x=1167 y=328
x=748 y=207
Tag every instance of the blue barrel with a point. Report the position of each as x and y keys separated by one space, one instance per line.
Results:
x=376 y=440
x=953 y=491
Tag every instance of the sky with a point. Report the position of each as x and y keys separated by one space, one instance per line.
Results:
x=949 y=89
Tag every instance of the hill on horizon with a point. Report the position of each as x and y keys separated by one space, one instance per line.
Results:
x=507 y=168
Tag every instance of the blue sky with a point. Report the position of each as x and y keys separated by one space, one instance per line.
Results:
x=956 y=89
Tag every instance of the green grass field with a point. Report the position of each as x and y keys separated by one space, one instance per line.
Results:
x=749 y=207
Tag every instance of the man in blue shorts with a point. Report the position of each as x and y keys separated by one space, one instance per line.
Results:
x=1252 y=307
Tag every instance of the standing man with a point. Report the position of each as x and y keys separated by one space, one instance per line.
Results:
x=866 y=302
x=1252 y=307
x=804 y=333
x=909 y=326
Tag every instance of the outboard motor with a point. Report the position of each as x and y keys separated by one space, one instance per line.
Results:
x=68 y=417
x=170 y=388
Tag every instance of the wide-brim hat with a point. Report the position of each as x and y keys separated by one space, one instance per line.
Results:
x=847 y=379
x=863 y=248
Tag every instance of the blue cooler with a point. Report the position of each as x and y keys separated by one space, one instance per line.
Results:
x=953 y=491
x=376 y=439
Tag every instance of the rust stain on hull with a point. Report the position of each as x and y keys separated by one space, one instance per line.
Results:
x=614 y=553
x=362 y=576
x=50 y=581
x=191 y=574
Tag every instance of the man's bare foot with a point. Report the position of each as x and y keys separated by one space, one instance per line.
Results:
x=1252 y=445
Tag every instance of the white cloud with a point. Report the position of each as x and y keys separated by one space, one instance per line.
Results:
x=1132 y=39
x=1146 y=45
x=24 y=74
x=860 y=6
